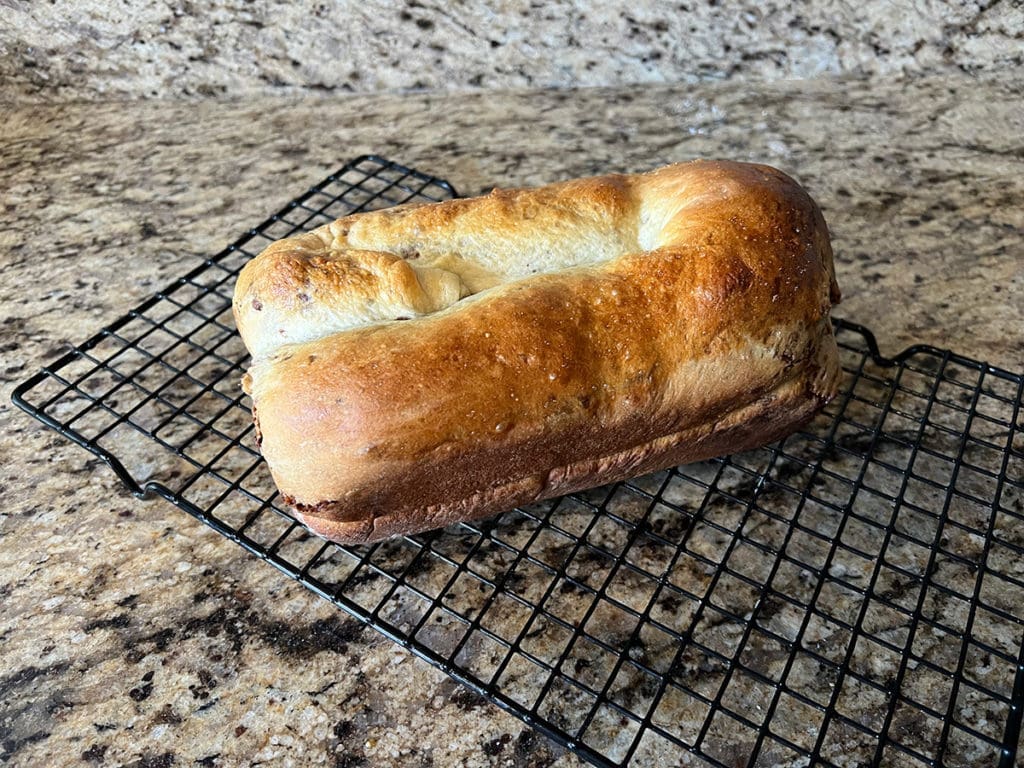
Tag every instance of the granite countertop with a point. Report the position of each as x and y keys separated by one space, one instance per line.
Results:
x=133 y=634
x=141 y=48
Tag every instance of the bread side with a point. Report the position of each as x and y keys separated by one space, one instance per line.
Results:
x=771 y=417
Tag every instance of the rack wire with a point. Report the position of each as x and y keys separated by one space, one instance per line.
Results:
x=852 y=595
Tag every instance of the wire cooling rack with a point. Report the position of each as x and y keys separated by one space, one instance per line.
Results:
x=853 y=595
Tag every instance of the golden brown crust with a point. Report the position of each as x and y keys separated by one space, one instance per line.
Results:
x=561 y=338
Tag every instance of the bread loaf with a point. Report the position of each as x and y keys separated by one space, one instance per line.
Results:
x=423 y=365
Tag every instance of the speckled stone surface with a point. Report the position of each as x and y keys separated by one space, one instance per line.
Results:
x=88 y=49
x=134 y=635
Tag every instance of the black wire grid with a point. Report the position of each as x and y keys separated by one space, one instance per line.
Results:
x=853 y=595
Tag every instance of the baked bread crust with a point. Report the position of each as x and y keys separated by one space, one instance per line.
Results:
x=422 y=365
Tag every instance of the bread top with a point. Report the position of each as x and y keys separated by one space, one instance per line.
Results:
x=412 y=261
x=392 y=337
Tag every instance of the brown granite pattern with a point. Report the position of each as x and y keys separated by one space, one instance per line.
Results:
x=90 y=49
x=133 y=635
